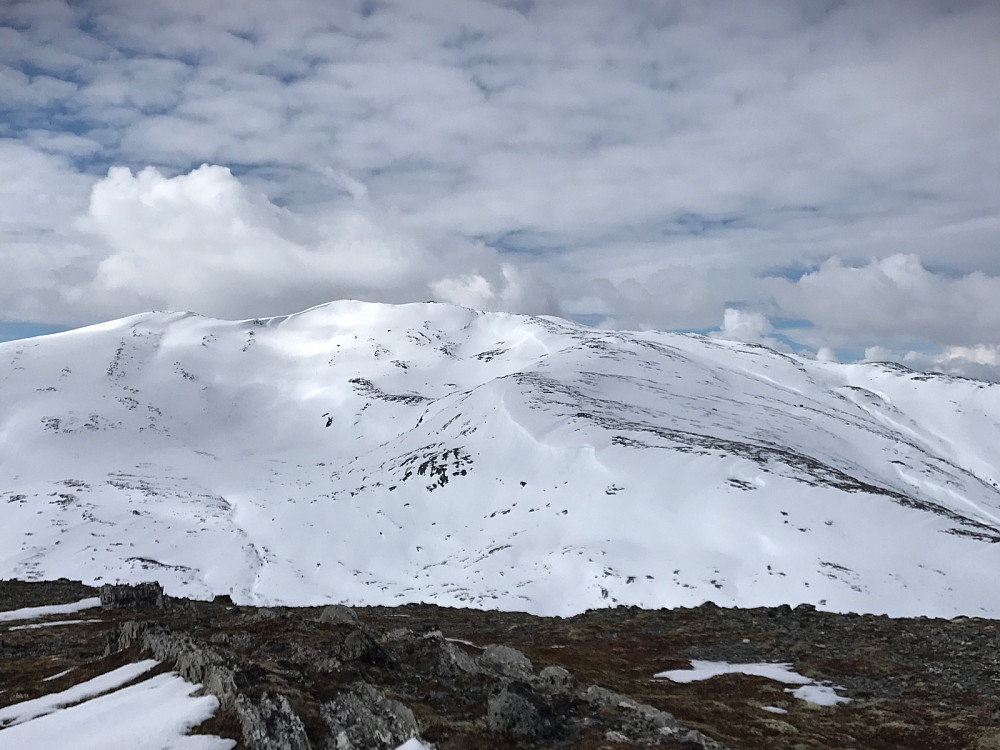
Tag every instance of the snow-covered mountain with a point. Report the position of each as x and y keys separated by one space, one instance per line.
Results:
x=379 y=454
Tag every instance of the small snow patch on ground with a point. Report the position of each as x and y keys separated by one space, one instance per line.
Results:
x=58 y=674
x=34 y=625
x=821 y=695
x=463 y=642
x=809 y=690
x=30 y=613
x=414 y=744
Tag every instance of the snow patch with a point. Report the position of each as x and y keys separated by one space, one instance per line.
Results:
x=808 y=690
x=31 y=613
x=54 y=623
x=28 y=710
x=100 y=714
x=414 y=744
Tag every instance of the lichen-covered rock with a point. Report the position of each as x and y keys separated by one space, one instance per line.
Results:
x=514 y=711
x=116 y=596
x=430 y=654
x=556 y=680
x=506 y=662
x=605 y=698
x=364 y=718
x=195 y=662
x=359 y=645
x=269 y=723
x=338 y=614
x=645 y=724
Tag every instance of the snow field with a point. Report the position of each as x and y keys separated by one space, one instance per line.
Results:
x=376 y=454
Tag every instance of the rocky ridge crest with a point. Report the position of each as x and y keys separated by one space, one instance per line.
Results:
x=336 y=677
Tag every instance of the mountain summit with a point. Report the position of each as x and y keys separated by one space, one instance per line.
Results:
x=379 y=454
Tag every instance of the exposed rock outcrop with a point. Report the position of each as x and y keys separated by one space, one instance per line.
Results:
x=116 y=596
x=288 y=678
x=271 y=704
x=363 y=718
x=516 y=711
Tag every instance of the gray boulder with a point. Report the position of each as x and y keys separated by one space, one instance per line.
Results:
x=338 y=614
x=555 y=680
x=430 y=653
x=515 y=712
x=507 y=662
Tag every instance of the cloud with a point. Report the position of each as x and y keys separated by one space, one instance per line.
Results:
x=653 y=164
x=79 y=250
x=896 y=300
x=40 y=252
x=205 y=241
x=826 y=354
x=739 y=325
x=750 y=328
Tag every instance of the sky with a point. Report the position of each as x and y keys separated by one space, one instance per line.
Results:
x=819 y=176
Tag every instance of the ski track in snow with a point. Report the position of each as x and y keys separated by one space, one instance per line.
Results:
x=376 y=454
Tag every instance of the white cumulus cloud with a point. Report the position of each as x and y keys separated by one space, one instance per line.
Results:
x=896 y=299
x=207 y=242
x=749 y=327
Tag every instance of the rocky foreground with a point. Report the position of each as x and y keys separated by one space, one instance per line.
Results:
x=335 y=677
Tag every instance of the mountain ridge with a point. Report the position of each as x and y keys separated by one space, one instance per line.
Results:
x=379 y=454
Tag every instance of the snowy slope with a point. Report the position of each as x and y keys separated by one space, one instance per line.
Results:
x=384 y=454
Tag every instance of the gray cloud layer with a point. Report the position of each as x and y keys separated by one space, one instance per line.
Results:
x=654 y=163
